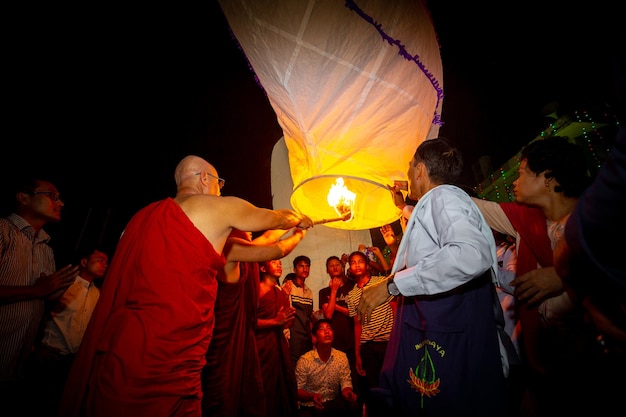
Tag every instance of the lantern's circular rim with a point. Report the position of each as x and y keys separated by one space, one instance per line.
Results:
x=353 y=177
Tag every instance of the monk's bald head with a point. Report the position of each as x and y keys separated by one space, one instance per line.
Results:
x=190 y=166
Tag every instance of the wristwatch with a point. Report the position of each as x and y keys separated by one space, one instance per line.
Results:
x=392 y=288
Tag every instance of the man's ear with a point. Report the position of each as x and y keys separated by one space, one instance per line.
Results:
x=21 y=198
x=421 y=170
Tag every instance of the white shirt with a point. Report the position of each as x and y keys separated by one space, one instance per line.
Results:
x=450 y=244
x=65 y=329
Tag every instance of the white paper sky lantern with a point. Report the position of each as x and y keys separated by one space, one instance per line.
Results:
x=356 y=87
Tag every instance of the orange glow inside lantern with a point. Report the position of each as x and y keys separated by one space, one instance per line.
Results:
x=367 y=202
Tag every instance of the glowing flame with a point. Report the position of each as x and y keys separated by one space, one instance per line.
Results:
x=340 y=198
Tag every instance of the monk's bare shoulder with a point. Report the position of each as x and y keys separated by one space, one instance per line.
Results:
x=209 y=214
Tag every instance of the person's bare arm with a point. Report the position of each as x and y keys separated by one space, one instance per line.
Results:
x=246 y=216
x=379 y=255
x=270 y=236
x=241 y=250
x=538 y=285
x=495 y=216
x=329 y=308
x=348 y=394
x=357 y=346
x=217 y=216
x=237 y=249
x=315 y=397
x=342 y=310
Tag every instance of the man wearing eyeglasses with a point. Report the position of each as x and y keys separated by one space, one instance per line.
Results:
x=28 y=276
x=145 y=346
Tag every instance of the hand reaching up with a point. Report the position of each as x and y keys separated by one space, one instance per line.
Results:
x=54 y=284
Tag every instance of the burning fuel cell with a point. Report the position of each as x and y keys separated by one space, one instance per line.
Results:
x=341 y=198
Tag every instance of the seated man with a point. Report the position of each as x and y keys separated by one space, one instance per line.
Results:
x=323 y=376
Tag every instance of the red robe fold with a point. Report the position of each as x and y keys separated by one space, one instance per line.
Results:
x=231 y=380
x=534 y=248
x=145 y=346
x=279 y=376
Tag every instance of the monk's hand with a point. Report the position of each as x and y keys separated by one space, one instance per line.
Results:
x=538 y=285
x=373 y=296
x=305 y=222
x=285 y=314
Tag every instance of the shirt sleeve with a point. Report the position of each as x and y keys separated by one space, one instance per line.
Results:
x=495 y=216
x=301 y=371
x=351 y=303
x=344 y=369
x=447 y=246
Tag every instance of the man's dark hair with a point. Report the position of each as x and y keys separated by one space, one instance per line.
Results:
x=86 y=252
x=289 y=277
x=560 y=159
x=361 y=254
x=443 y=161
x=301 y=258
x=330 y=258
x=26 y=183
x=317 y=324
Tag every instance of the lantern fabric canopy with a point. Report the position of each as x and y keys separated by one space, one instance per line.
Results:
x=356 y=87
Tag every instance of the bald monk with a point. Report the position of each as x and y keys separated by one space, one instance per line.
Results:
x=144 y=348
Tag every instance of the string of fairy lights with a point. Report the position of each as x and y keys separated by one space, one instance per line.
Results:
x=581 y=127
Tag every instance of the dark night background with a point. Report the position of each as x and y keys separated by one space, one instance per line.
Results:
x=107 y=101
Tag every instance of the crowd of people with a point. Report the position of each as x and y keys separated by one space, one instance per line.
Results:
x=477 y=308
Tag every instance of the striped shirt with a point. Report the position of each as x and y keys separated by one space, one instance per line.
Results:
x=24 y=257
x=378 y=328
x=300 y=331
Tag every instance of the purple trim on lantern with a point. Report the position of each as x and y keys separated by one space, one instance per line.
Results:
x=256 y=79
x=350 y=4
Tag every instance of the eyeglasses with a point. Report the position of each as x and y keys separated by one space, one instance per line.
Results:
x=56 y=197
x=220 y=181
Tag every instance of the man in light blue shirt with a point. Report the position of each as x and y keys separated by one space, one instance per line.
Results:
x=444 y=354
